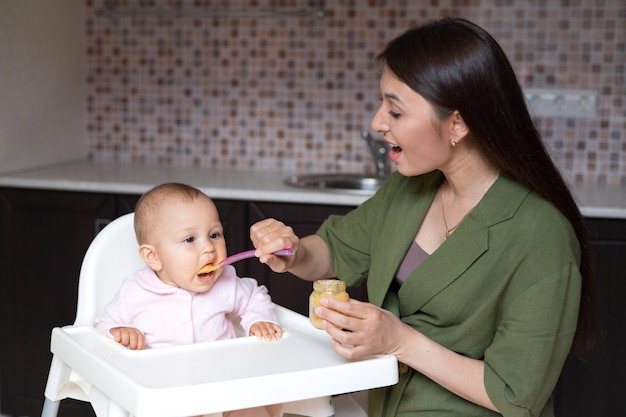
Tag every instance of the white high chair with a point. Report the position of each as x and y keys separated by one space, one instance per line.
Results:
x=301 y=370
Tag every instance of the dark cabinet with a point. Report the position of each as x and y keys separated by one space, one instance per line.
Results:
x=595 y=387
x=43 y=239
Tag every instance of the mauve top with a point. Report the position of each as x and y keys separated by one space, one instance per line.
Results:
x=413 y=258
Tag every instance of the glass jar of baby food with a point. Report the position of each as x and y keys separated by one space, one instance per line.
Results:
x=325 y=288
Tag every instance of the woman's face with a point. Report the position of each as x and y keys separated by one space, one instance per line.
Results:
x=419 y=142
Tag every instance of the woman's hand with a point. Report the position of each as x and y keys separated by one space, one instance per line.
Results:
x=361 y=329
x=271 y=235
x=311 y=258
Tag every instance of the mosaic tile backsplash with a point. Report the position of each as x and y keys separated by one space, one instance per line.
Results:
x=270 y=85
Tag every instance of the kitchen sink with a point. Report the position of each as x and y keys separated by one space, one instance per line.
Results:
x=341 y=182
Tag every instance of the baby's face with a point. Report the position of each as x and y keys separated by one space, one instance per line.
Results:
x=187 y=236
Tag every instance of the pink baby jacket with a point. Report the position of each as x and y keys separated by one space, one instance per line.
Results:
x=170 y=316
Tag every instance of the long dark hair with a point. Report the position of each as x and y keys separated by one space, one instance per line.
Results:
x=456 y=65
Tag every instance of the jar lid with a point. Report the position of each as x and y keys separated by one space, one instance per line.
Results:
x=329 y=285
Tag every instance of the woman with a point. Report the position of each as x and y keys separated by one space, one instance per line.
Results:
x=474 y=252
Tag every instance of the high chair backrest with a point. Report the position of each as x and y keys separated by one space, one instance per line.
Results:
x=112 y=255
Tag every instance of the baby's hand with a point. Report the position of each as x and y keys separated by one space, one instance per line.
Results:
x=128 y=336
x=266 y=331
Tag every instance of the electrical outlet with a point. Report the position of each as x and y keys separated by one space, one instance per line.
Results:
x=562 y=103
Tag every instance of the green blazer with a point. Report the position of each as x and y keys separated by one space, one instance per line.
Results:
x=504 y=288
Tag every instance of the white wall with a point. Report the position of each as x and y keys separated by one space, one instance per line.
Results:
x=42 y=94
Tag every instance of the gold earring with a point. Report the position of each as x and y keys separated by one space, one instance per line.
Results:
x=454 y=143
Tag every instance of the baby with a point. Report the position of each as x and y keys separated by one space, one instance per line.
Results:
x=171 y=302
x=168 y=303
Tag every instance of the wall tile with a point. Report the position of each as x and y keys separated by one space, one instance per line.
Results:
x=170 y=83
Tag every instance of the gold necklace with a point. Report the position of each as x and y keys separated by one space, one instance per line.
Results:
x=451 y=229
x=443 y=212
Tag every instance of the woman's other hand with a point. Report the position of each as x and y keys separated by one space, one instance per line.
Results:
x=361 y=329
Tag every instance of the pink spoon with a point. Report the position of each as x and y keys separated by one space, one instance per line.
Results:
x=250 y=254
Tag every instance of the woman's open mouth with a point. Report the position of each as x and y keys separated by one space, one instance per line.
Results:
x=394 y=153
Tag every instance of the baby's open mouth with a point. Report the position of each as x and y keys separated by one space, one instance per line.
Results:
x=209 y=268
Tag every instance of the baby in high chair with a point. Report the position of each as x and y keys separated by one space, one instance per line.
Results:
x=172 y=300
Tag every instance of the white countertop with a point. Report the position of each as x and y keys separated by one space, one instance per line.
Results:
x=595 y=200
x=220 y=183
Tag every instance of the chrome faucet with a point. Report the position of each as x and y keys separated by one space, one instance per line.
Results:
x=380 y=151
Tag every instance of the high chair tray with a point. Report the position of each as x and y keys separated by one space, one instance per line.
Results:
x=218 y=376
